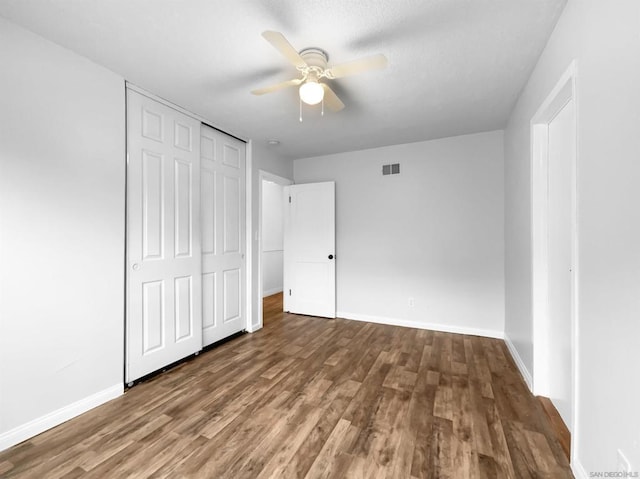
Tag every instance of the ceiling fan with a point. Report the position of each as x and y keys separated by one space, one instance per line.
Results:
x=312 y=64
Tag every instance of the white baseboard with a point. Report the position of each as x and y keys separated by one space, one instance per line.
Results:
x=578 y=470
x=526 y=375
x=41 y=424
x=269 y=292
x=254 y=327
x=445 y=328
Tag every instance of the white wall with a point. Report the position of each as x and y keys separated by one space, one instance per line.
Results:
x=265 y=158
x=62 y=179
x=434 y=233
x=272 y=237
x=604 y=37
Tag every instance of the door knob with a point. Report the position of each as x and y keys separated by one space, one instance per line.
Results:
x=330 y=256
x=136 y=266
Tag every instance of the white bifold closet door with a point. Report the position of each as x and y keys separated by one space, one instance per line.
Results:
x=223 y=235
x=164 y=260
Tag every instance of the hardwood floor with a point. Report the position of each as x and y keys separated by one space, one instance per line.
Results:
x=558 y=426
x=271 y=308
x=311 y=397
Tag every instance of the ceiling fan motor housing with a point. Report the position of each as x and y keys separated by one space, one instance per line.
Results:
x=315 y=57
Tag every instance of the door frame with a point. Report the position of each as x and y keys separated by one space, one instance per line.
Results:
x=248 y=263
x=563 y=93
x=264 y=176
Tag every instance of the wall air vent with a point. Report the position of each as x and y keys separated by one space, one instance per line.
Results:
x=393 y=169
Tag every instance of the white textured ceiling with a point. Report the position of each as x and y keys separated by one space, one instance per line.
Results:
x=455 y=66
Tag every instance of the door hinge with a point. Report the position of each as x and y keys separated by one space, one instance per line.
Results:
x=289 y=292
x=289 y=198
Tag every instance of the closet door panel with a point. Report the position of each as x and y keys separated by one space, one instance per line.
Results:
x=164 y=270
x=223 y=239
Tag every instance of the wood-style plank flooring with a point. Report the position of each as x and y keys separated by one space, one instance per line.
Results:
x=559 y=428
x=311 y=397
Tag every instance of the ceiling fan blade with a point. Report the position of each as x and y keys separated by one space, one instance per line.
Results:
x=281 y=44
x=331 y=99
x=277 y=86
x=374 y=62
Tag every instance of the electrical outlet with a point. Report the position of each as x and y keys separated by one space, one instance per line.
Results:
x=411 y=303
x=623 y=462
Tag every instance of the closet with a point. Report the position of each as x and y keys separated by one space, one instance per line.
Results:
x=185 y=235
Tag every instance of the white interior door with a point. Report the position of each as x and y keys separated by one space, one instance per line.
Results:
x=309 y=249
x=164 y=305
x=223 y=232
x=561 y=152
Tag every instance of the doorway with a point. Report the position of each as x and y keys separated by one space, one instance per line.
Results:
x=554 y=249
x=270 y=237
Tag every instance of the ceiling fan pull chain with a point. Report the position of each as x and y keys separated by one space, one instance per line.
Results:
x=300 y=100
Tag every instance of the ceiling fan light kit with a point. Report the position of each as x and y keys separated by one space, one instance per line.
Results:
x=311 y=92
x=312 y=63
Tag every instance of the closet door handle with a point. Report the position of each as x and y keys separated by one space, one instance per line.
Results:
x=330 y=256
